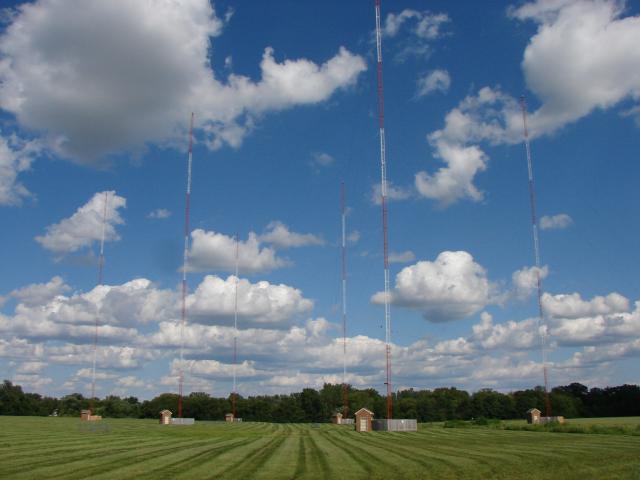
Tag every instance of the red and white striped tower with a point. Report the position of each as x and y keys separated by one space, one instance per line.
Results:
x=542 y=326
x=185 y=253
x=235 y=335
x=383 y=194
x=345 y=387
x=100 y=276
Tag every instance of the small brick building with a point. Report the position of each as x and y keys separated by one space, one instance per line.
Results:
x=336 y=418
x=363 y=420
x=533 y=416
x=229 y=418
x=85 y=416
x=165 y=417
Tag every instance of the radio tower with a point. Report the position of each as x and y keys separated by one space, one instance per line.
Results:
x=345 y=387
x=183 y=319
x=235 y=337
x=100 y=274
x=383 y=194
x=536 y=250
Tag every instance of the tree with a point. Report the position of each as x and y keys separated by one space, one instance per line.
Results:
x=116 y=407
x=70 y=405
x=12 y=400
x=407 y=407
x=488 y=403
x=331 y=399
x=311 y=405
x=164 y=401
x=527 y=399
x=288 y=410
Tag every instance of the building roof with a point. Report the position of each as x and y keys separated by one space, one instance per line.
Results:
x=164 y=412
x=531 y=410
x=364 y=410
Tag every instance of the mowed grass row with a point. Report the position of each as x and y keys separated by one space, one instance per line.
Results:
x=39 y=448
x=626 y=422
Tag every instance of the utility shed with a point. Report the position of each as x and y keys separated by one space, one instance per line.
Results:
x=396 y=425
x=229 y=418
x=165 y=417
x=336 y=418
x=85 y=416
x=363 y=420
x=533 y=416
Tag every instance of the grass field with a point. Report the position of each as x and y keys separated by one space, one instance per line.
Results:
x=611 y=421
x=600 y=426
x=631 y=422
x=48 y=448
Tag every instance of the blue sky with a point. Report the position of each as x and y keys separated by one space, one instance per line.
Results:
x=97 y=98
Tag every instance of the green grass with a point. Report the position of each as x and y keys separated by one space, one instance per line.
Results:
x=600 y=426
x=607 y=421
x=61 y=448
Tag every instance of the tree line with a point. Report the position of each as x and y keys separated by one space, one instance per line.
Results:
x=310 y=405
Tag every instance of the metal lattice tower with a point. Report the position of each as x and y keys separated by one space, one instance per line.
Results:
x=542 y=326
x=185 y=253
x=100 y=279
x=383 y=195
x=345 y=387
x=235 y=336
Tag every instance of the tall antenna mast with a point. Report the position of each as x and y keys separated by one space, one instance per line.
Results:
x=100 y=275
x=345 y=387
x=383 y=193
x=235 y=336
x=187 y=209
x=536 y=251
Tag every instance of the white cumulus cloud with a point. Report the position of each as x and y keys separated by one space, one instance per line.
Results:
x=278 y=234
x=93 y=92
x=45 y=313
x=159 y=214
x=437 y=80
x=216 y=251
x=213 y=369
x=40 y=293
x=322 y=159
x=394 y=193
x=85 y=226
x=423 y=28
x=455 y=181
x=426 y=25
x=573 y=306
x=525 y=280
x=260 y=303
x=452 y=287
x=555 y=222
x=477 y=117
x=402 y=257
x=16 y=157
x=590 y=47
x=509 y=335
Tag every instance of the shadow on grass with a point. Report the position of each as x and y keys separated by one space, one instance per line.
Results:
x=94 y=427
